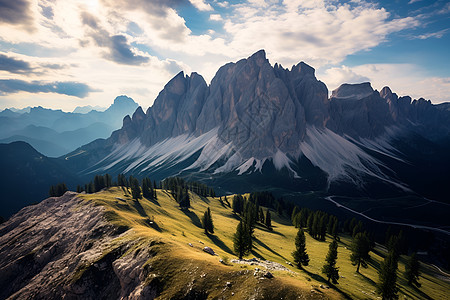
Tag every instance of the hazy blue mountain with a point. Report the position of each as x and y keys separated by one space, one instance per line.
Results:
x=86 y=109
x=44 y=128
x=27 y=176
x=263 y=126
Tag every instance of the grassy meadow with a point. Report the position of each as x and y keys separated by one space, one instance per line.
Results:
x=162 y=222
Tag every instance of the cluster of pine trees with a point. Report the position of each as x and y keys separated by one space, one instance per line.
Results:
x=387 y=286
x=179 y=190
x=318 y=222
x=57 y=190
x=146 y=190
x=201 y=189
x=250 y=213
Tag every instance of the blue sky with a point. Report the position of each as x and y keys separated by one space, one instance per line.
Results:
x=68 y=53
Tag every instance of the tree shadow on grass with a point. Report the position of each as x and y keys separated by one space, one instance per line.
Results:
x=367 y=279
x=258 y=255
x=264 y=228
x=374 y=264
x=268 y=248
x=319 y=278
x=219 y=243
x=204 y=199
x=137 y=205
x=194 y=219
x=422 y=294
x=154 y=201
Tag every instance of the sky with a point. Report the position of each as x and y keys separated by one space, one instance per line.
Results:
x=66 y=53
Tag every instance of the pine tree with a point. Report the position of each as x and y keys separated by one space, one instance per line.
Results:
x=135 y=188
x=241 y=241
x=147 y=188
x=91 y=187
x=329 y=268
x=262 y=218
x=393 y=246
x=204 y=221
x=294 y=214
x=300 y=256
x=207 y=222
x=334 y=231
x=412 y=270
x=358 y=228
x=309 y=224
x=360 y=250
x=108 y=180
x=387 y=286
x=52 y=191
x=268 y=221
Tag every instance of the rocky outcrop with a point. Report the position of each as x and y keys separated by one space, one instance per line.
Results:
x=359 y=111
x=62 y=248
x=259 y=108
x=256 y=117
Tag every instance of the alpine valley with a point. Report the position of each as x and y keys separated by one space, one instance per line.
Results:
x=256 y=156
x=264 y=127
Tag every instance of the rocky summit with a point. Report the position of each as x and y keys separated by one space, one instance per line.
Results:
x=255 y=118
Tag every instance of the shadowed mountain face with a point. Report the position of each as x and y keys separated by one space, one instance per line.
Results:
x=256 y=121
x=54 y=132
x=27 y=176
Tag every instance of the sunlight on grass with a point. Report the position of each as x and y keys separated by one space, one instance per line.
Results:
x=163 y=220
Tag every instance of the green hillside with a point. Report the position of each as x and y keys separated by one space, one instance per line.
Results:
x=178 y=265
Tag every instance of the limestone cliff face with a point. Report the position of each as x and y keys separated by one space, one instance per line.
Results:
x=259 y=108
x=255 y=115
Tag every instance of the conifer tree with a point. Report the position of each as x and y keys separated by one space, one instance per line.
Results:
x=262 y=218
x=334 y=231
x=329 y=268
x=393 y=246
x=412 y=270
x=357 y=228
x=52 y=191
x=207 y=222
x=387 y=285
x=360 y=250
x=300 y=256
x=135 y=188
x=204 y=221
x=241 y=240
x=268 y=221
x=108 y=180
x=294 y=214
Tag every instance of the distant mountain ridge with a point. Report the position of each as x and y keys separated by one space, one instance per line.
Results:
x=255 y=118
x=44 y=128
x=27 y=176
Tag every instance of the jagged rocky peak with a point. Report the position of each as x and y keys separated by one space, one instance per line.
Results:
x=387 y=94
x=353 y=91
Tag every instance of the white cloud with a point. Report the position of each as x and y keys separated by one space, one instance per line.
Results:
x=222 y=4
x=201 y=5
x=215 y=17
x=320 y=32
x=437 y=35
x=334 y=77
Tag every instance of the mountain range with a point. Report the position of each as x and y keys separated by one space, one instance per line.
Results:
x=260 y=126
x=54 y=132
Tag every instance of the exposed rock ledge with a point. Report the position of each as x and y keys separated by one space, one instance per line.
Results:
x=64 y=248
